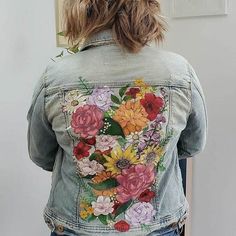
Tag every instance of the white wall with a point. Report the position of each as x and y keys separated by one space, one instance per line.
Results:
x=28 y=42
x=209 y=43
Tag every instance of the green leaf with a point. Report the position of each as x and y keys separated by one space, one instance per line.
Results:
x=91 y=218
x=123 y=90
x=121 y=141
x=113 y=129
x=126 y=98
x=88 y=176
x=97 y=157
x=84 y=84
x=145 y=227
x=161 y=167
x=123 y=208
x=61 y=54
x=106 y=114
x=73 y=49
x=103 y=219
x=145 y=129
x=109 y=183
x=93 y=156
x=61 y=33
x=114 y=108
x=115 y=99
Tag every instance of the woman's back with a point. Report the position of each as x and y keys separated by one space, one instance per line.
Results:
x=112 y=128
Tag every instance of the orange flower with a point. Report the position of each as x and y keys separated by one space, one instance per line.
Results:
x=132 y=116
x=108 y=192
x=102 y=176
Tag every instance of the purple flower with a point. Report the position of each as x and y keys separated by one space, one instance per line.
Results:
x=140 y=213
x=160 y=118
x=141 y=146
x=101 y=97
x=153 y=134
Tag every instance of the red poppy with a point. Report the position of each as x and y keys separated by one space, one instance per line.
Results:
x=146 y=196
x=81 y=150
x=90 y=141
x=152 y=105
x=122 y=226
x=132 y=92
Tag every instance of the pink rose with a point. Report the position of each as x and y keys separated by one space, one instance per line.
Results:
x=87 y=120
x=134 y=181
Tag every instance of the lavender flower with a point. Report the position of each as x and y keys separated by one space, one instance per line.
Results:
x=101 y=97
x=140 y=213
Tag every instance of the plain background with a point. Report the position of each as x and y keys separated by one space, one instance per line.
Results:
x=28 y=42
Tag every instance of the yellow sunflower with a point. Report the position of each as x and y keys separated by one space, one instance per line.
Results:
x=132 y=116
x=120 y=159
x=152 y=154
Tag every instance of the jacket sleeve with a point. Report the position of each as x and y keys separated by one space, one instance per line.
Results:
x=42 y=142
x=193 y=138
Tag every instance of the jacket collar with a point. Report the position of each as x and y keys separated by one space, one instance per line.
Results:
x=100 y=38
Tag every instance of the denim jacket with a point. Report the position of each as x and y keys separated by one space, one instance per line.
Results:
x=112 y=127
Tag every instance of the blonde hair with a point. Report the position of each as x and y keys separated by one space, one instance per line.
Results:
x=134 y=23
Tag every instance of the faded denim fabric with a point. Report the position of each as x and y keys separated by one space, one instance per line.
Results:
x=53 y=131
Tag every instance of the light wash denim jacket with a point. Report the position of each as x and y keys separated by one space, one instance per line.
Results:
x=112 y=128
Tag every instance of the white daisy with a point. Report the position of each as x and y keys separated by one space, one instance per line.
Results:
x=73 y=99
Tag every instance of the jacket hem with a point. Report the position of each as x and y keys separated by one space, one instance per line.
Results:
x=53 y=220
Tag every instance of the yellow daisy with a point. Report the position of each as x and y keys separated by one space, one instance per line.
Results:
x=152 y=154
x=83 y=214
x=144 y=88
x=89 y=210
x=120 y=159
x=140 y=82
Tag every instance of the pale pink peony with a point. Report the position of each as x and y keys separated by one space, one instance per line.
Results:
x=87 y=120
x=87 y=167
x=104 y=142
x=134 y=181
x=103 y=206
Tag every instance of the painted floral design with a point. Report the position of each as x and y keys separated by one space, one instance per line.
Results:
x=140 y=213
x=87 y=167
x=152 y=154
x=73 y=99
x=87 y=120
x=101 y=97
x=103 y=206
x=146 y=196
x=81 y=150
x=122 y=226
x=104 y=142
x=152 y=105
x=132 y=116
x=133 y=181
x=120 y=159
x=120 y=137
